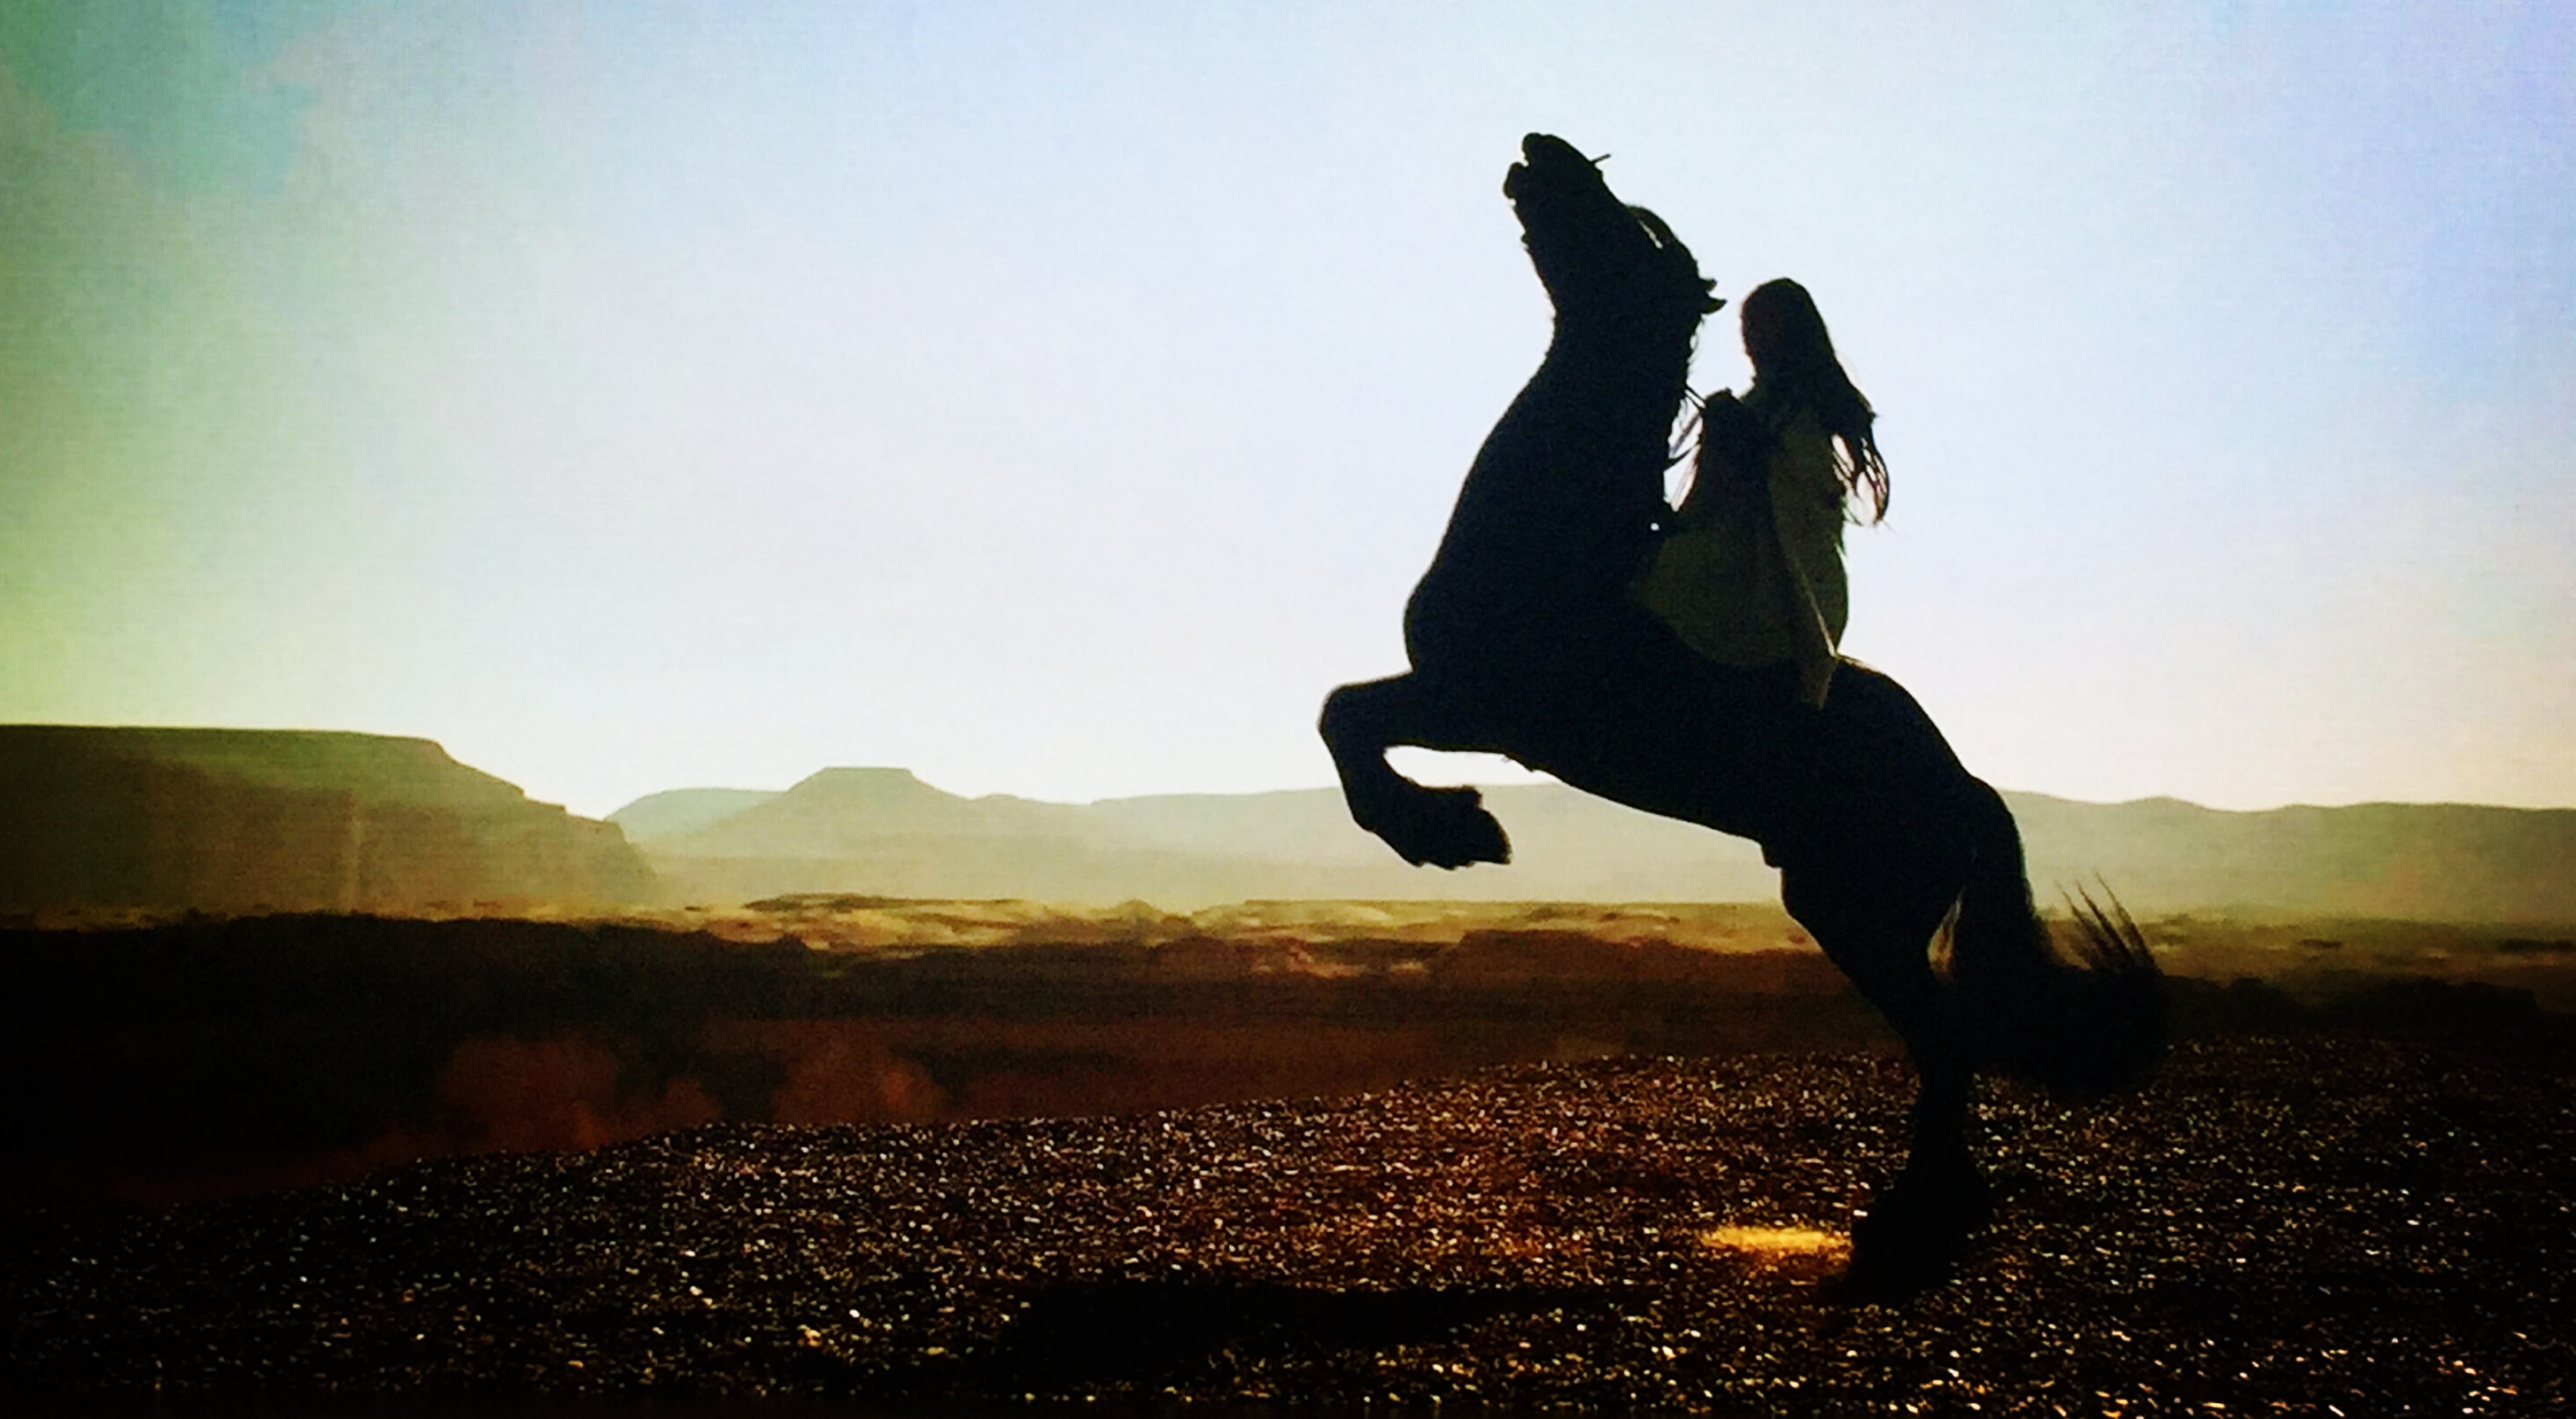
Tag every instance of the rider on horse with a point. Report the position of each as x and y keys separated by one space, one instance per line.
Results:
x=1530 y=636
x=1751 y=571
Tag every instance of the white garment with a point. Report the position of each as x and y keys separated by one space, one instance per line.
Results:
x=1752 y=572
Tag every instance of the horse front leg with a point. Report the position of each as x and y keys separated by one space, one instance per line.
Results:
x=1444 y=827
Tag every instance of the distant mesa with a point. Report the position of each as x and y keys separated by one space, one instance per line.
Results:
x=2452 y=862
x=233 y=821
x=240 y=820
x=883 y=832
x=678 y=812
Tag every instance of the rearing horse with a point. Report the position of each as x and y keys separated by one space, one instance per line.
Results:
x=1524 y=643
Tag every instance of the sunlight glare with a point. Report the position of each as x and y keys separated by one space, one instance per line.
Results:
x=1777 y=1243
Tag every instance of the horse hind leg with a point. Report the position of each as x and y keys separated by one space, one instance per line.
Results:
x=1878 y=929
x=1441 y=827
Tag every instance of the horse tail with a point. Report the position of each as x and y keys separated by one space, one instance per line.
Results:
x=2091 y=1026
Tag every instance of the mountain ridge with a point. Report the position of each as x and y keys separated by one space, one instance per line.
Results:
x=247 y=820
x=2457 y=862
x=233 y=820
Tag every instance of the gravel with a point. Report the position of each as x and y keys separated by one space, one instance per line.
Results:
x=2351 y=1225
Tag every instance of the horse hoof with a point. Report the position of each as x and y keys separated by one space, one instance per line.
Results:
x=1914 y=1235
x=1441 y=827
x=1884 y=1275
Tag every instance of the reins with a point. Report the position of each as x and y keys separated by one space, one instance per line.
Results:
x=1685 y=440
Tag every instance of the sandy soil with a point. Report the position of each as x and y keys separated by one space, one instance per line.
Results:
x=2349 y=1225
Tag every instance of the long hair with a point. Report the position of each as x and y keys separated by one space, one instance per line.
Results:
x=1793 y=361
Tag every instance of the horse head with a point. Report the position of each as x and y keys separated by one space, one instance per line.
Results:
x=1598 y=256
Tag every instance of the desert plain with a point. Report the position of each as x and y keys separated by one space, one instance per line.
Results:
x=869 y=1155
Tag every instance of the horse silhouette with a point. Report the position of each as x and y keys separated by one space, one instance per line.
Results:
x=1524 y=642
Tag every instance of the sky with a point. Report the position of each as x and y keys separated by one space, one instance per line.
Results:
x=1060 y=399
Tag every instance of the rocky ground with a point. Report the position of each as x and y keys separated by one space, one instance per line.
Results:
x=2352 y=1225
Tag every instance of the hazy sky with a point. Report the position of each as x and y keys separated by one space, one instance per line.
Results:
x=1060 y=399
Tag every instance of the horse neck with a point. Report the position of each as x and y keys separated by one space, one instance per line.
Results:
x=1640 y=364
